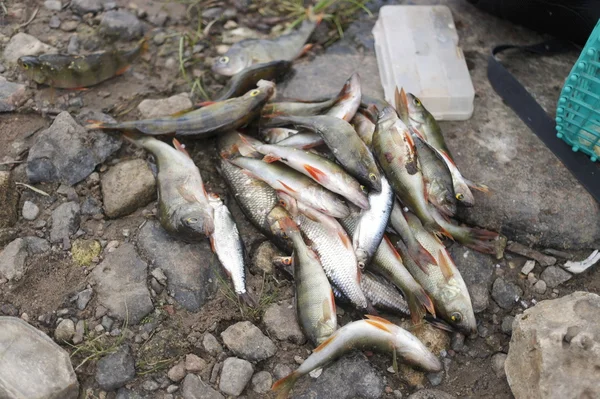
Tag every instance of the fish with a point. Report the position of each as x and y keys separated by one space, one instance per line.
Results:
x=325 y=172
x=304 y=141
x=373 y=333
x=413 y=113
x=364 y=124
x=247 y=79
x=438 y=180
x=442 y=282
x=371 y=224
x=204 y=122
x=274 y=135
x=348 y=99
x=227 y=244
x=249 y=52
x=295 y=184
x=415 y=250
x=298 y=107
x=333 y=246
x=65 y=71
x=315 y=303
x=183 y=206
x=394 y=149
x=340 y=137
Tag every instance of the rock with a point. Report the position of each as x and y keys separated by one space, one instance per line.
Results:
x=67 y=152
x=91 y=206
x=53 y=5
x=235 y=375
x=498 y=361
x=195 y=388
x=150 y=386
x=9 y=310
x=172 y=388
x=555 y=276
x=165 y=106
x=528 y=267
x=73 y=46
x=505 y=293
x=12 y=95
x=85 y=251
x=124 y=393
x=540 y=287
x=126 y=187
x=65 y=221
x=69 y=25
x=435 y=379
x=36 y=245
x=194 y=364
x=121 y=25
x=12 y=260
x=177 y=372
x=262 y=258
x=431 y=394
x=262 y=382
x=190 y=268
x=477 y=270
x=159 y=275
x=121 y=284
x=9 y=199
x=543 y=260
x=115 y=370
x=211 y=345
x=23 y=44
x=281 y=370
x=554 y=351
x=246 y=340
x=54 y=22
x=82 y=7
x=433 y=338
x=507 y=323
x=280 y=320
x=64 y=331
x=351 y=377
x=159 y=19
x=32 y=365
x=79 y=332
x=30 y=211
x=107 y=323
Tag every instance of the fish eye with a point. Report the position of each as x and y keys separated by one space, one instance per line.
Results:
x=287 y=261
x=254 y=93
x=192 y=220
x=416 y=101
x=224 y=59
x=24 y=65
x=282 y=202
x=372 y=176
x=460 y=197
x=456 y=317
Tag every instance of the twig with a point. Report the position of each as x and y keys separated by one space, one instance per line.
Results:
x=30 y=18
x=37 y=190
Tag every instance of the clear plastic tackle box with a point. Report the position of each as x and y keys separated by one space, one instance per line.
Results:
x=417 y=49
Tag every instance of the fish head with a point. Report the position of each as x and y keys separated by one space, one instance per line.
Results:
x=463 y=193
x=263 y=92
x=214 y=200
x=195 y=220
x=386 y=118
x=33 y=68
x=233 y=62
x=277 y=214
x=443 y=198
x=412 y=351
x=455 y=307
x=416 y=110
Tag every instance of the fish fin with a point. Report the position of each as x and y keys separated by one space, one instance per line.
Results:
x=144 y=45
x=181 y=113
x=205 y=103
x=418 y=303
x=379 y=325
x=315 y=173
x=122 y=70
x=286 y=186
x=422 y=257
x=81 y=88
x=401 y=104
x=285 y=385
x=305 y=49
x=332 y=298
x=438 y=323
x=247 y=299
x=324 y=344
x=209 y=227
x=410 y=141
x=378 y=319
x=269 y=158
x=371 y=309
x=179 y=147
x=477 y=186
x=448 y=157
x=288 y=225
x=311 y=16
x=327 y=308
x=212 y=244
x=186 y=194
x=94 y=124
x=484 y=241
x=345 y=239
x=250 y=174
x=444 y=264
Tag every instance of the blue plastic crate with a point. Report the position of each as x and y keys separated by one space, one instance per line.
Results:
x=578 y=109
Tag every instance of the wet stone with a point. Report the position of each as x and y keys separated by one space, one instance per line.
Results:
x=505 y=293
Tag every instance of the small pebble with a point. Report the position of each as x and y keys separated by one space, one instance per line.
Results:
x=30 y=210
x=528 y=267
x=507 y=324
x=298 y=359
x=171 y=63
x=316 y=373
x=150 y=385
x=435 y=378
x=54 y=22
x=230 y=24
x=172 y=388
x=540 y=287
x=69 y=26
x=222 y=48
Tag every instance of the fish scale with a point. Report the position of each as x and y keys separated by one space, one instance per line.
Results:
x=337 y=259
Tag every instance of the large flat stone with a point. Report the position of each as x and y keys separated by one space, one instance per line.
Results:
x=191 y=269
x=529 y=187
x=32 y=366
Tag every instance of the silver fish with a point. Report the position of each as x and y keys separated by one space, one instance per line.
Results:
x=348 y=100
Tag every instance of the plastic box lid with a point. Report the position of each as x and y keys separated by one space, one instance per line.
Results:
x=417 y=49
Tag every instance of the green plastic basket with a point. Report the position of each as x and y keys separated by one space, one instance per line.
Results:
x=578 y=110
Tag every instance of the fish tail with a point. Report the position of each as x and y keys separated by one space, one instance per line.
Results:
x=285 y=385
x=370 y=309
x=247 y=299
x=481 y=240
x=247 y=149
x=274 y=120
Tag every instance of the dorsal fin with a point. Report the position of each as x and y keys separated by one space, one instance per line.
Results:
x=444 y=264
x=315 y=173
x=378 y=319
x=378 y=325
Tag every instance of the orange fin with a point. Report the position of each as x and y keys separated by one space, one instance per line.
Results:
x=186 y=194
x=122 y=70
x=212 y=244
x=288 y=226
x=79 y=88
x=180 y=147
x=345 y=239
x=285 y=385
x=305 y=49
x=324 y=344
x=181 y=113
x=271 y=158
x=316 y=174
x=94 y=124
x=379 y=325
x=205 y=103
x=444 y=264
x=286 y=186
x=378 y=319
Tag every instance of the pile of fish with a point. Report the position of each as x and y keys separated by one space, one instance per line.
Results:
x=358 y=192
